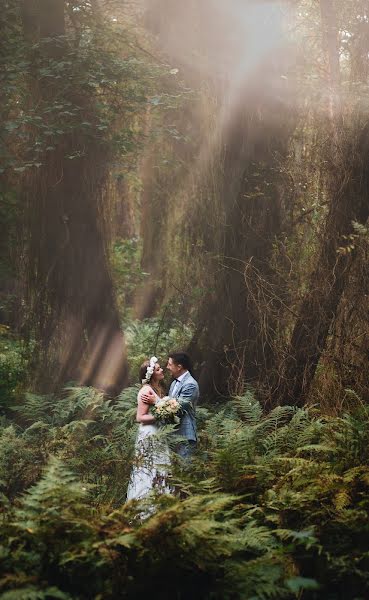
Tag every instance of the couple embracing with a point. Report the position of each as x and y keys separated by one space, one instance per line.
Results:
x=152 y=457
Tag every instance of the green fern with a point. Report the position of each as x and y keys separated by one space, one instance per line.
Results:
x=32 y=593
x=248 y=408
x=57 y=493
x=265 y=496
x=36 y=408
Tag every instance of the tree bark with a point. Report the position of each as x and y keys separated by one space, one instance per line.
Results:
x=232 y=344
x=349 y=201
x=71 y=294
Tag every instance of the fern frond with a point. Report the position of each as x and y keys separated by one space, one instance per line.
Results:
x=248 y=408
x=305 y=537
x=315 y=449
x=36 y=408
x=57 y=493
x=342 y=499
x=78 y=402
x=32 y=593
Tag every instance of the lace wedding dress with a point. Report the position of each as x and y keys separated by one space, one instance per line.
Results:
x=151 y=463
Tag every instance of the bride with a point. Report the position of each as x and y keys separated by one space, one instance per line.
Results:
x=152 y=460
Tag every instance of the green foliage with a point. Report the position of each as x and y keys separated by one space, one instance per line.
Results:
x=94 y=435
x=32 y=593
x=101 y=64
x=274 y=506
x=155 y=337
x=125 y=261
x=13 y=368
x=9 y=217
x=19 y=462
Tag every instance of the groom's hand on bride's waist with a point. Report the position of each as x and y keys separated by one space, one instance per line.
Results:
x=148 y=397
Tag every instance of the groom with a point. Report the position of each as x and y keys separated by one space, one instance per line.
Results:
x=186 y=390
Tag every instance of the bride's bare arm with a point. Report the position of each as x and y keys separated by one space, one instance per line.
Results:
x=149 y=396
x=142 y=414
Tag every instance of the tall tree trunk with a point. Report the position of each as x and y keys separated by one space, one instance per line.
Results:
x=349 y=193
x=232 y=344
x=350 y=202
x=71 y=295
x=152 y=220
x=331 y=51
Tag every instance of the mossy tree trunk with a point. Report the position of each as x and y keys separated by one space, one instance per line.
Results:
x=349 y=203
x=348 y=190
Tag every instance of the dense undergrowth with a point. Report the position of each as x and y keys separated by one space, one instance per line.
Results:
x=274 y=506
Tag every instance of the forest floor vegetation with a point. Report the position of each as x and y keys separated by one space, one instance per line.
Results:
x=274 y=506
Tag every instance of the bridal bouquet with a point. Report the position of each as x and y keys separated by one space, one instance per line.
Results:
x=166 y=410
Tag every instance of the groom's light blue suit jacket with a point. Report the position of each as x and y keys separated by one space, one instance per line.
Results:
x=187 y=394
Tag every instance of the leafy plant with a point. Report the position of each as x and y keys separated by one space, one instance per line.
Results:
x=274 y=506
x=13 y=369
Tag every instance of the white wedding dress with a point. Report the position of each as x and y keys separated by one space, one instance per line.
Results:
x=151 y=464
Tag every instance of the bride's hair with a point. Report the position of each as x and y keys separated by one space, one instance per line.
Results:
x=142 y=375
x=143 y=369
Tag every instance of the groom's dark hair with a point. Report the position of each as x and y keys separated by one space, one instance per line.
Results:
x=181 y=358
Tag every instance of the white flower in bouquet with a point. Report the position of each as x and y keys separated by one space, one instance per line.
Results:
x=167 y=410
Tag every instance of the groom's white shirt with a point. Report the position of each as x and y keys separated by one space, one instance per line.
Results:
x=178 y=382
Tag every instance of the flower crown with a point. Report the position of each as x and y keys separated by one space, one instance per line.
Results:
x=150 y=370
